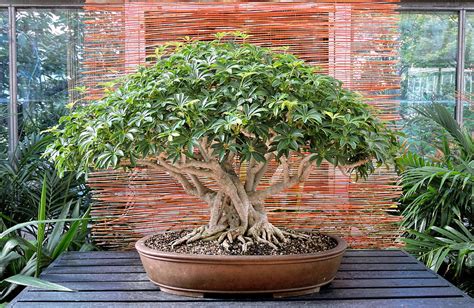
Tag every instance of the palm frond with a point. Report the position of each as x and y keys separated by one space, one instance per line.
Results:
x=440 y=115
x=448 y=245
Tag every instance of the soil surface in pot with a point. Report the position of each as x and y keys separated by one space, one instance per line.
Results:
x=315 y=242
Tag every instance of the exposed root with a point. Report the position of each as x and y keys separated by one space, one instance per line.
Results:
x=264 y=232
x=231 y=235
x=201 y=233
x=293 y=235
x=261 y=232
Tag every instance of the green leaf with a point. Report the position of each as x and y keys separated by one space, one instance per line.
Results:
x=35 y=222
x=41 y=227
x=34 y=282
x=68 y=237
x=58 y=228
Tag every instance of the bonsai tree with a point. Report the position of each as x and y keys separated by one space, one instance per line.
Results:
x=203 y=108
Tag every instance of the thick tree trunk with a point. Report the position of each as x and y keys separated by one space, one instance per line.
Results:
x=236 y=208
x=231 y=222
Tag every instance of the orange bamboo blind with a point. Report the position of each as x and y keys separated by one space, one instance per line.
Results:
x=354 y=41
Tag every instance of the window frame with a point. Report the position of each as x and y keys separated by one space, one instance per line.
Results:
x=460 y=8
x=12 y=6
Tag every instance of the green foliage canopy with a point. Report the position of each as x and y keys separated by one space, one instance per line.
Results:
x=228 y=97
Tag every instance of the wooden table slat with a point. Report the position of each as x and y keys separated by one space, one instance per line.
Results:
x=336 y=284
x=383 y=274
x=367 y=278
x=96 y=277
x=93 y=269
x=371 y=303
x=133 y=261
x=139 y=295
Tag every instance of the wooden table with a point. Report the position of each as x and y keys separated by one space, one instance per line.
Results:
x=367 y=278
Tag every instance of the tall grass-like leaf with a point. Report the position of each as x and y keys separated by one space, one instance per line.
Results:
x=58 y=228
x=27 y=270
x=68 y=237
x=36 y=222
x=34 y=282
x=41 y=228
x=6 y=259
x=32 y=191
x=21 y=183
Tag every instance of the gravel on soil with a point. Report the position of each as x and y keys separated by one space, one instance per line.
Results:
x=315 y=243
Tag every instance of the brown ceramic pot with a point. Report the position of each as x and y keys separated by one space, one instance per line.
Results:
x=196 y=275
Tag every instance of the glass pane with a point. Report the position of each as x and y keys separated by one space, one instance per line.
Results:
x=4 y=83
x=49 y=43
x=428 y=71
x=469 y=74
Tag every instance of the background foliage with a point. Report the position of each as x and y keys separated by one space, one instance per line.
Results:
x=49 y=48
x=25 y=255
x=428 y=72
x=32 y=191
x=438 y=202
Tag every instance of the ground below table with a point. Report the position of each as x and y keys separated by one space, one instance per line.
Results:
x=367 y=278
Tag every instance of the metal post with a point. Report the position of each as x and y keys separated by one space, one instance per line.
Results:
x=12 y=106
x=458 y=110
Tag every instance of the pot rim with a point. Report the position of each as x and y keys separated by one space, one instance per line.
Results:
x=157 y=254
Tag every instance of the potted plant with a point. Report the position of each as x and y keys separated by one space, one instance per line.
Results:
x=217 y=116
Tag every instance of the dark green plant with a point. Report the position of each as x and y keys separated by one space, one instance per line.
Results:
x=201 y=105
x=21 y=184
x=451 y=245
x=438 y=200
x=439 y=190
x=36 y=203
x=21 y=258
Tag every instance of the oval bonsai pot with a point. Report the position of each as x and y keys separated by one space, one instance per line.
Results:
x=280 y=275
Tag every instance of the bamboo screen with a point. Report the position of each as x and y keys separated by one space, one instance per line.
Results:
x=354 y=41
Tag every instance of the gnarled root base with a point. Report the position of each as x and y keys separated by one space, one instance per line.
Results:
x=262 y=232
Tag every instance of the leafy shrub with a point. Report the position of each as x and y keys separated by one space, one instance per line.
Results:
x=21 y=258
x=32 y=193
x=21 y=181
x=438 y=200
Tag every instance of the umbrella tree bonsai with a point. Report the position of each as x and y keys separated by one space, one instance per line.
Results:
x=200 y=105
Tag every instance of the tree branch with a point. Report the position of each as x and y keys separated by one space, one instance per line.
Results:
x=261 y=172
x=201 y=188
x=188 y=187
x=148 y=163
x=179 y=168
x=282 y=171
x=192 y=163
x=202 y=145
x=304 y=170
x=347 y=169
x=252 y=169
x=198 y=189
x=304 y=163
